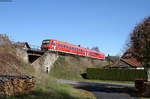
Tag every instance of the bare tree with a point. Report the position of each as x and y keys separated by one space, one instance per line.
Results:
x=140 y=42
x=4 y=39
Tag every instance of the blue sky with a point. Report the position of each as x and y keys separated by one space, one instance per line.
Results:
x=103 y=23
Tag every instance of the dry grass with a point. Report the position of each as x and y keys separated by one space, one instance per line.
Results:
x=46 y=87
x=71 y=67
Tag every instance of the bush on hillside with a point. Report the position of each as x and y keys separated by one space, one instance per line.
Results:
x=115 y=74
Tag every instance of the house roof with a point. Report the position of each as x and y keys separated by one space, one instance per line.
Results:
x=22 y=44
x=131 y=61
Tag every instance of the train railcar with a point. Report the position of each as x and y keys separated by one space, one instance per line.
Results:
x=95 y=54
x=54 y=45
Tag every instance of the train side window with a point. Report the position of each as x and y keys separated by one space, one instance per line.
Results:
x=65 y=46
x=53 y=43
x=59 y=45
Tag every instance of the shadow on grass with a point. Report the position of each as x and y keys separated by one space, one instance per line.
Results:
x=84 y=75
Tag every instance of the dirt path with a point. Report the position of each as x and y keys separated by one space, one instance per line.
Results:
x=105 y=90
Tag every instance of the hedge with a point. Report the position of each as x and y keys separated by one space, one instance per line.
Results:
x=115 y=74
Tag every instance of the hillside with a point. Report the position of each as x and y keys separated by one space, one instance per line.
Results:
x=71 y=67
x=46 y=87
x=10 y=63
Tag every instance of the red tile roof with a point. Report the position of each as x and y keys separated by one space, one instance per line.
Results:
x=20 y=44
x=131 y=61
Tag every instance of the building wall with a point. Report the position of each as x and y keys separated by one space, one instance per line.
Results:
x=22 y=54
x=45 y=62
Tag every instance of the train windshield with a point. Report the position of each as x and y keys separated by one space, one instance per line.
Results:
x=45 y=42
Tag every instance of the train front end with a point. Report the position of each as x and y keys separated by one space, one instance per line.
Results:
x=45 y=45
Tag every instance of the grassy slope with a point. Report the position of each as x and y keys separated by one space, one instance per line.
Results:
x=10 y=64
x=69 y=67
x=46 y=87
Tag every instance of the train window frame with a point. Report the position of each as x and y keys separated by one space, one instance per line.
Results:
x=66 y=46
x=73 y=48
x=45 y=41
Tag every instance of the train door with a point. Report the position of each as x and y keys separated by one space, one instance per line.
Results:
x=54 y=45
x=86 y=53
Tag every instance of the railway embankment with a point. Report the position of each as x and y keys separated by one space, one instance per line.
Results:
x=73 y=67
x=13 y=63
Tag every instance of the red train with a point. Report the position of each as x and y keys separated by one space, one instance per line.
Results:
x=54 y=45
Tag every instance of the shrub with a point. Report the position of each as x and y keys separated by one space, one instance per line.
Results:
x=115 y=74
